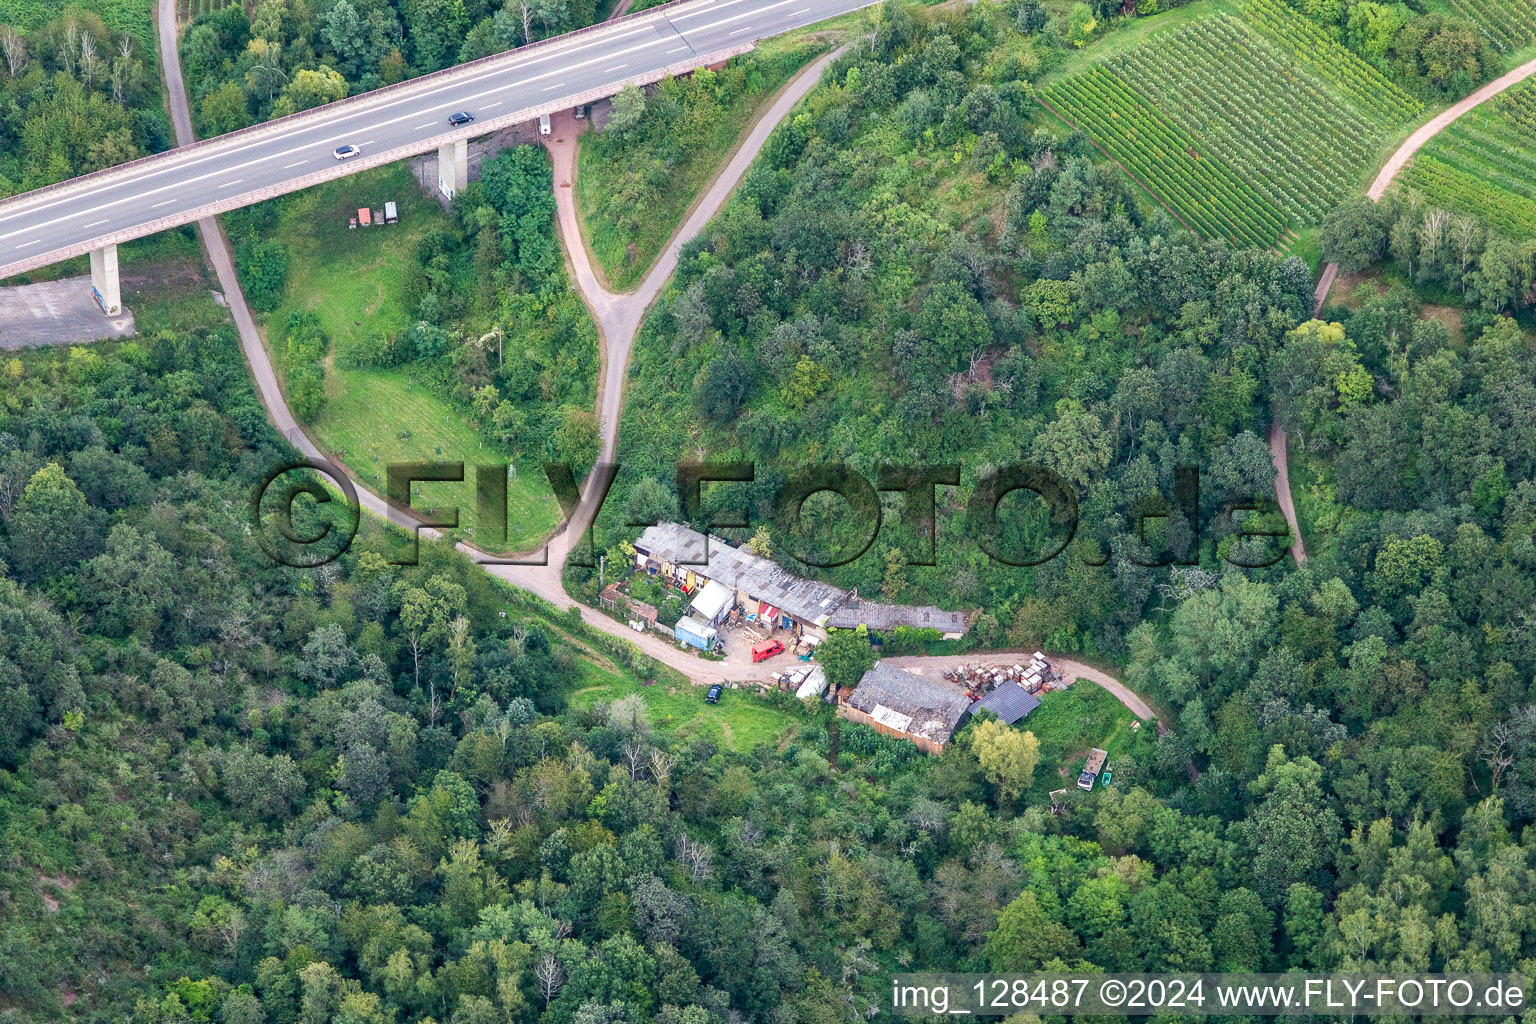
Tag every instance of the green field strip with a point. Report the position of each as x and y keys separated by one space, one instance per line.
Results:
x=1454 y=189
x=1280 y=130
x=1366 y=88
x=1201 y=190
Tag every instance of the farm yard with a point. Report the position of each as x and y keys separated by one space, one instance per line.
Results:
x=1245 y=128
x=1485 y=164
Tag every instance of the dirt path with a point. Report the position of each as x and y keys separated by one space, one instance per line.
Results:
x=1324 y=285
x=1415 y=142
x=1389 y=171
x=1068 y=667
x=1279 y=449
x=618 y=317
x=1441 y=121
x=619 y=314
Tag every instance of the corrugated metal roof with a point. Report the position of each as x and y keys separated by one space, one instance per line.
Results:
x=815 y=683
x=1010 y=702
x=934 y=709
x=759 y=578
x=891 y=718
x=857 y=613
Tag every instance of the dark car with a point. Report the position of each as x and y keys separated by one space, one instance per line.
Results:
x=713 y=696
x=462 y=117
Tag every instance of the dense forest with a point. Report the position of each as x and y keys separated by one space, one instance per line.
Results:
x=1484 y=265
x=75 y=96
x=235 y=792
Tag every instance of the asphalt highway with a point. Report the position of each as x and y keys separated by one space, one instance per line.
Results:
x=181 y=185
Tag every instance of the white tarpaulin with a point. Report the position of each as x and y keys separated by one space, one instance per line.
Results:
x=815 y=684
x=890 y=718
x=711 y=602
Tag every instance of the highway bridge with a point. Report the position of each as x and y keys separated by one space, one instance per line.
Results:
x=96 y=212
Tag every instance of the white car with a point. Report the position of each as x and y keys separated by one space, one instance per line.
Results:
x=346 y=152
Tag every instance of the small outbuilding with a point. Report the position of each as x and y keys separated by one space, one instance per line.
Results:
x=712 y=602
x=815 y=684
x=856 y=612
x=695 y=633
x=1009 y=702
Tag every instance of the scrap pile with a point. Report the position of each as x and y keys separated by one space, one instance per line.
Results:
x=805 y=681
x=1037 y=676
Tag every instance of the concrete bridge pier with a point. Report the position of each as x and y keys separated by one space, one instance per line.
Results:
x=104 y=282
x=452 y=167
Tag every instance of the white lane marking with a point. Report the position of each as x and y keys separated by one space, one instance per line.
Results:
x=616 y=67
x=289 y=167
x=552 y=88
x=228 y=184
x=739 y=31
x=28 y=245
x=488 y=106
x=709 y=9
x=369 y=142
x=429 y=124
x=680 y=49
x=96 y=222
x=182 y=184
x=796 y=14
x=738 y=17
x=157 y=206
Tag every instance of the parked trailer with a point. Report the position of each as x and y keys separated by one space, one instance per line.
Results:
x=391 y=214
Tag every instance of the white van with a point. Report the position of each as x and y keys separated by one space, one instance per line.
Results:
x=543 y=124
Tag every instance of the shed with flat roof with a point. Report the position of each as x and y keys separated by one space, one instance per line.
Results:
x=1009 y=702
x=874 y=615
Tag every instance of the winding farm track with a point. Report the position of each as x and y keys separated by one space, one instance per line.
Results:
x=618 y=316
x=1389 y=171
x=1279 y=447
x=1415 y=142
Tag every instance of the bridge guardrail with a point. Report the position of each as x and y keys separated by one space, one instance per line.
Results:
x=364 y=162
x=360 y=99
